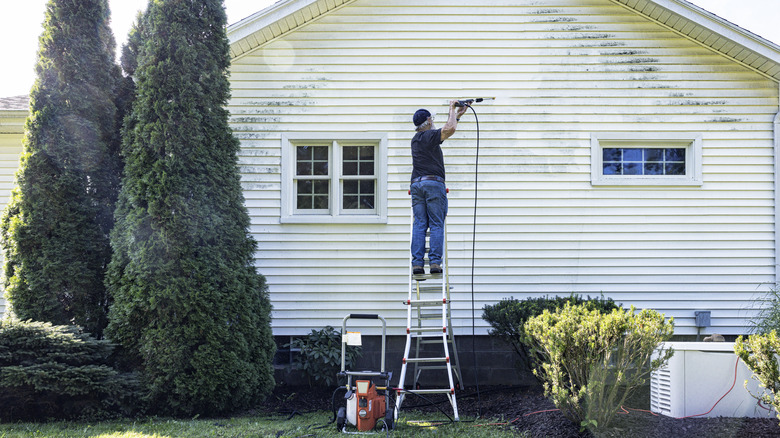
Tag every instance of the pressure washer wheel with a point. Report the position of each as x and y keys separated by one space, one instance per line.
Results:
x=341 y=419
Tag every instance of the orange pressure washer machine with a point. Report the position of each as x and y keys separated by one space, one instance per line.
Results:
x=365 y=401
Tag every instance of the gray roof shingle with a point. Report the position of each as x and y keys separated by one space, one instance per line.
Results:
x=14 y=103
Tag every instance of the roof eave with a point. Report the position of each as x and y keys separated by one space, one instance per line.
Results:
x=275 y=21
x=762 y=55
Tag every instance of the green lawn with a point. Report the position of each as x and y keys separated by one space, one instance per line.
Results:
x=307 y=425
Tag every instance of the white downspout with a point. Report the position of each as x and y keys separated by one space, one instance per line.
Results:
x=776 y=125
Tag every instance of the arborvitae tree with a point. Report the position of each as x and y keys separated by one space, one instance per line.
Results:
x=187 y=298
x=126 y=89
x=55 y=230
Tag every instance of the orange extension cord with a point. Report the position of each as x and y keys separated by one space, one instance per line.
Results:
x=626 y=410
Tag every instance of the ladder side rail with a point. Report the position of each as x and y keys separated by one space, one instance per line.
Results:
x=417 y=369
x=402 y=377
x=416 y=298
x=445 y=322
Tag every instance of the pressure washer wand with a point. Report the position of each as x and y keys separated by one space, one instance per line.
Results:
x=468 y=102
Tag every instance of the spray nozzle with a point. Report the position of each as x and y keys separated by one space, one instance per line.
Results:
x=467 y=102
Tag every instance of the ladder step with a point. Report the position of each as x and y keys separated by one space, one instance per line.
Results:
x=430 y=391
x=430 y=291
x=424 y=329
x=429 y=316
x=423 y=277
x=431 y=367
x=433 y=286
x=427 y=359
x=423 y=337
x=431 y=333
x=425 y=303
x=432 y=340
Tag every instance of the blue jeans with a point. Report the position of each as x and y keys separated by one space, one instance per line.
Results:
x=429 y=205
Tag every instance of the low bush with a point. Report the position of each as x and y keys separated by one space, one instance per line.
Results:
x=591 y=362
x=59 y=372
x=320 y=356
x=759 y=353
x=508 y=317
x=767 y=316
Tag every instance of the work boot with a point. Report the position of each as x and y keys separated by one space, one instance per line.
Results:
x=435 y=269
x=418 y=270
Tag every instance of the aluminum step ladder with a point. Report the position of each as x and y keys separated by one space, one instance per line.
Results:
x=429 y=328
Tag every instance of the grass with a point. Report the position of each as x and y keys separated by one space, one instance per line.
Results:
x=307 y=425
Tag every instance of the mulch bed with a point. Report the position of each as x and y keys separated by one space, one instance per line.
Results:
x=525 y=409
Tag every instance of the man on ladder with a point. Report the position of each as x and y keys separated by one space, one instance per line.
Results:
x=429 y=194
x=428 y=320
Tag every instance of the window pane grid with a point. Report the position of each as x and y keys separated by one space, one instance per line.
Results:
x=312 y=160
x=358 y=160
x=359 y=194
x=312 y=194
x=312 y=181
x=644 y=161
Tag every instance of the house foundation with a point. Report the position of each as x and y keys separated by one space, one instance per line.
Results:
x=484 y=360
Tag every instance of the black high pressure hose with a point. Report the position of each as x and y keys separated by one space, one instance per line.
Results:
x=473 y=251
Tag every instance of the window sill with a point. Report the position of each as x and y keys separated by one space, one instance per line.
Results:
x=654 y=182
x=328 y=219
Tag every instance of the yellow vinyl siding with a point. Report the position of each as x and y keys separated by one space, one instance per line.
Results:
x=11 y=128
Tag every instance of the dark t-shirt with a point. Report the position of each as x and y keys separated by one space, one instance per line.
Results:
x=427 y=158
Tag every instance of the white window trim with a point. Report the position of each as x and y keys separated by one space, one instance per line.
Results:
x=693 y=158
x=335 y=213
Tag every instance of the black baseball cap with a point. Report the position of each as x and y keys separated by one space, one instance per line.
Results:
x=420 y=116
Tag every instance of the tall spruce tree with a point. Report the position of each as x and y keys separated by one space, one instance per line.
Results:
x=187 y=298
x=55 y=230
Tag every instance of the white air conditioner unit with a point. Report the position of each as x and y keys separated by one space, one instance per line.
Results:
x=697 y=376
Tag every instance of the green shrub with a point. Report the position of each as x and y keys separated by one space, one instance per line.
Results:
x=508 y=316
x=759 y=353
x=320 y=356
x=592 y=361
x=49 y=371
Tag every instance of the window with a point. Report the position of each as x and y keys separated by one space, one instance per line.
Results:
x=334 y=180
x=645 y=159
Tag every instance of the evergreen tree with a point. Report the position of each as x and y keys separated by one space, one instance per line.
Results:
x=57 y=371
x=126 y=89
x=187 y=298
x=55 y=230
